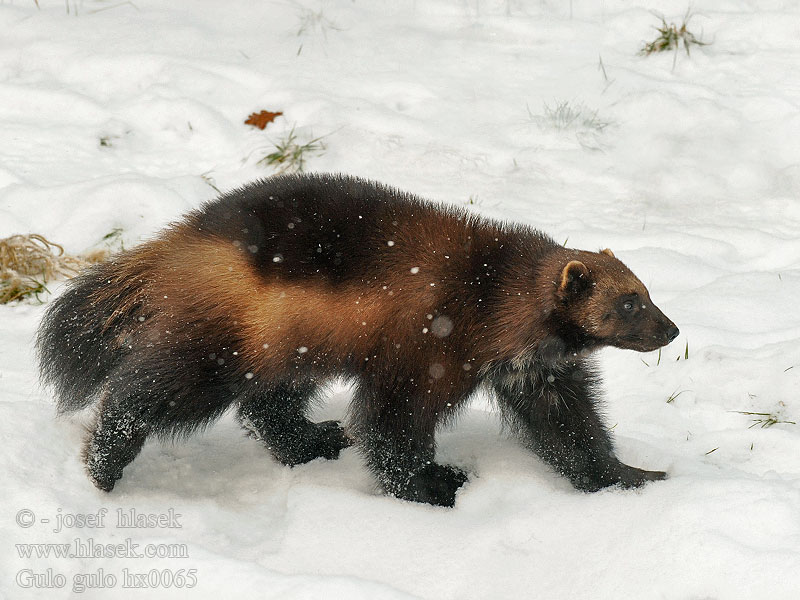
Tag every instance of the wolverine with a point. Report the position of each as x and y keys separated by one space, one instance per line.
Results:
x=259 y=298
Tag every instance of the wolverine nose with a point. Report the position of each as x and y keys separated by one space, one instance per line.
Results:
x=672 y=333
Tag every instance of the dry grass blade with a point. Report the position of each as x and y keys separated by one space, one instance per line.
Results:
x=674 y=395
x=764 y=419
x=28 y=262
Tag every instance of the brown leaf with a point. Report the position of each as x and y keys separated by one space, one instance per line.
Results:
x=261 y=119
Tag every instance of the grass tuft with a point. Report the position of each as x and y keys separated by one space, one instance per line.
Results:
x=28 y=262
x=290 y=153
x=311 y=22
x=671 y=36
x=577 y=118
x=567 y=116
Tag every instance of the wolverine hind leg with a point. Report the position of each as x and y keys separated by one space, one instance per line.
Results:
x=277 y=417
x=167 y=392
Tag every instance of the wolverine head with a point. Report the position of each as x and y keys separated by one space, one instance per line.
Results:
x=597 y=293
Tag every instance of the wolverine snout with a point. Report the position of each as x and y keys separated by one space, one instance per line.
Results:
x=669 y=330
x=666 y=332
x=672 y=333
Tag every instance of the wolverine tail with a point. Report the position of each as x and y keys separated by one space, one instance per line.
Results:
x=81 y=338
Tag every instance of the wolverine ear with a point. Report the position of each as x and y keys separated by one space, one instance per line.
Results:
x=608 y=252
x=574 y=280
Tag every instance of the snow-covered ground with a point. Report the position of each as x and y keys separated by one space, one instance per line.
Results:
x=123 y=115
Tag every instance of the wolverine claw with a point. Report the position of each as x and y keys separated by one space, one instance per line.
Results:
x=626 y=477
x=633 y=477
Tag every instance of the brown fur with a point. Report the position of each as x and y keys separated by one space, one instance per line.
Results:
x=262 y=295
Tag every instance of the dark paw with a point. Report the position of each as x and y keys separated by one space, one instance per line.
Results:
x=102 y=472
x=625 y=476
x=435 y=484
x=103 y=483
x=332 y=440
x=323 y=440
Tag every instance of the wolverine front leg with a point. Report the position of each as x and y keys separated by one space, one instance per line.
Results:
x=554 y=409
x=395 y=429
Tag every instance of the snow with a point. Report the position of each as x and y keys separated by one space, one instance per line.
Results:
x=694 y=182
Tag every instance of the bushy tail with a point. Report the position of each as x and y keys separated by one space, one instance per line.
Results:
x=80 y=338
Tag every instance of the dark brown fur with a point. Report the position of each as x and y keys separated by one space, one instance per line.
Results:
x=264 y=294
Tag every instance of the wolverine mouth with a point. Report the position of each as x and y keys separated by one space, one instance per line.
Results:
x=645 y=344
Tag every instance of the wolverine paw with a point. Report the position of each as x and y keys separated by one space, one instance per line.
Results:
x=103 y=483
x=332 y=440
x=102 y=474
x=326 y=440
x=435 y=484
x=622 y=475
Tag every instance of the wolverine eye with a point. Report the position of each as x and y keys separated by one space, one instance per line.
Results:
x=628 y=305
